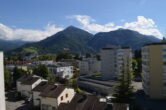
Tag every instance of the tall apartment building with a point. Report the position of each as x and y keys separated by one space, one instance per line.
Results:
x=89 y=66
x=154 y=70
x=112 y=60
x=2 y=91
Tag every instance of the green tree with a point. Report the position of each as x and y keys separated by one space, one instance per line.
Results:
x=98 y=57
x=41 y=70
x=17 y=73
x=124 y=91
x=8 y=79
x=64 y=56
x=137 y=67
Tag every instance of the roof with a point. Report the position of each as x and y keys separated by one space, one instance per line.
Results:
x=159 y=43
x=52 y=91
x=41 y=86
x=28 y=79
x=83 y=102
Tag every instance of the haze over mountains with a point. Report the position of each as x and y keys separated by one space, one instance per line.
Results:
x=76 y=40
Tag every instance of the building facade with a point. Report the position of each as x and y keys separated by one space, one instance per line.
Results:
x=61 y=70
x=89 y=66
x=114 y=60
x=2 y=86
x=26 y=83
x=154 y=70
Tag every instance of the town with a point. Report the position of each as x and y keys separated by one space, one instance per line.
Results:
x=82 y=55
x=111 y=80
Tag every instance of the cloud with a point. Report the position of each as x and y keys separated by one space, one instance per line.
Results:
x=143 y=25
x=9 y=33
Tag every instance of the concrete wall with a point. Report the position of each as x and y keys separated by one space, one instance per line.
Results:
x=36 y=98
x=2 y=91
x=156 y=72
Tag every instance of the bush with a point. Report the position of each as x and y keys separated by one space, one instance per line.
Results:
x=18 y=96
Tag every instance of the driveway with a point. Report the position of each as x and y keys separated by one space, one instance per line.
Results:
x=13 y=104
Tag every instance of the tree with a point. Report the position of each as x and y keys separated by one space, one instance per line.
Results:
x=137 y=67
x=98 y=57
x=123 y=91
x=64 y=56
x=8 y=79
x=17 y=73
x=41 y=70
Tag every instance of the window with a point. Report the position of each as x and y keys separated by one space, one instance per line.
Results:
x=66 y=95
x=61 y=98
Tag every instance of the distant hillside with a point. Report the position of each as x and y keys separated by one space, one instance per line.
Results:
x=75 y=40
x=72 y=39
x=10 y=45
x=121 y=37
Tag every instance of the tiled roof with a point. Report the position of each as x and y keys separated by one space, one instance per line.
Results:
x=83 y=102
x=28 y=79
x=52 y=91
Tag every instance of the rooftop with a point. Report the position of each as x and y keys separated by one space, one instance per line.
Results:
x=52 y=90
x=83 y=102
x=28 y=79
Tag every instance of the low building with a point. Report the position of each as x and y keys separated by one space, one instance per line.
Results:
x=89 y=66
x=154 y=70
x=53 y=95
x=84 y=102
x=26 y=83
x=61 y=70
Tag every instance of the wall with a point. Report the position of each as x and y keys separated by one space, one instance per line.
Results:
x=70 y=93
x=2 y=93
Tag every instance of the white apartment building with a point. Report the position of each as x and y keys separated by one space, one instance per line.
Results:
x=61 y=70
x=113 y=59
x=2 y=86
x=89 y=66
x=26 y=83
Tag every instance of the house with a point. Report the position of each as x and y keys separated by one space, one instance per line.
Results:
x=89 y=66
x=2 y=85
x=53 y=95
x=61 y=70
x=37 y=91
x=26 y=83
x=84 y=102
x=114 y=60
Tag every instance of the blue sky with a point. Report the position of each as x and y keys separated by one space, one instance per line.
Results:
x=41 y=18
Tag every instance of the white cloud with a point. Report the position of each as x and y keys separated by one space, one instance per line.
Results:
x=143 y=25
x=9 y=33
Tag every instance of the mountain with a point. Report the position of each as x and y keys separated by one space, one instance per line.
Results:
x=75 y=40
x=6 y=45
x=121 y=37
x=72 y=39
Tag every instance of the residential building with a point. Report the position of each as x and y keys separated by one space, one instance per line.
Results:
x=154 y=70
x=114 y=60
x=84 y=102
x=89 y=66
x=26 y=83
x=2 y=86
x=61 y=70
x=53 y=95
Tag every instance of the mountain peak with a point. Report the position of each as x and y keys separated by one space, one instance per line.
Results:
x=71 y=28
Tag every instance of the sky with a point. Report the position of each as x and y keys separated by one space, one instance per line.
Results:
x=35 y=20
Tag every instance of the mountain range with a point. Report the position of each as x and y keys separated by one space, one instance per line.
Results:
x=78 y=41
